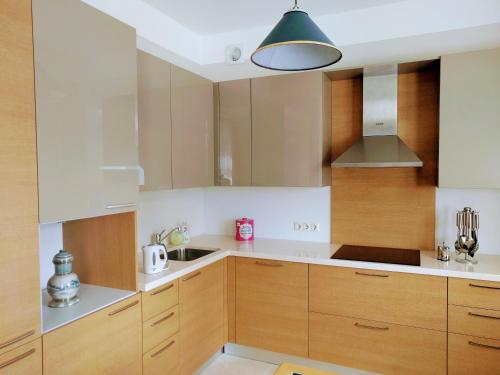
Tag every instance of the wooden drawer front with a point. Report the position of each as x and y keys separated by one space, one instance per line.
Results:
x=107 y=342
x=413 y=300
x=472 y=355
x=474 y=293
x=160 y=328
x=26 y=359
x=271 y=305
x=380 y=347
x=159 y=299
x=163 y=358
x=474 y=322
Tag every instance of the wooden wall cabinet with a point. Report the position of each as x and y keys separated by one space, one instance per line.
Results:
x=19 y=263
x=201 y=314
x=469 y=118
x=272 y=305
x=107 y=342
x=86 y=93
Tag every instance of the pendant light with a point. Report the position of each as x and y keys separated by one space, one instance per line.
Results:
x=296 y=43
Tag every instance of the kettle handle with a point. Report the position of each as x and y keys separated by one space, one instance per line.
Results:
x=165 y=255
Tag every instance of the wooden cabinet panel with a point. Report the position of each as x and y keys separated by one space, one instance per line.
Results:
x=291 y=130
x=26 y=359
x=380 y=347
x=472 y=355
x=271 y=305
x=475 y=322
x=401 y=298
x=20 y=290
x=155 y=127
x=474 y=293
x=107 y=342
x=163 y=359
x=192 y=130
x=201 y=313
x=160 y=299
x=235 y=133
x=86 y=91
x=469 y=94
x=160 y=328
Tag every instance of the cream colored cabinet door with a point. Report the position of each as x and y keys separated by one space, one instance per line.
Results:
x=234 y=133
x=192 y=130
x=201 y=313
x=19 y=263
x=86 y=89
x=155 y=127
x=107 y=342
x=469 y=120
x=291 y=130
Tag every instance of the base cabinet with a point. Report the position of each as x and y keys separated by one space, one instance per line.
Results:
x=107 y=342
x=26 y=359
x=164 y=358
x=380 y=347
x=473 y=355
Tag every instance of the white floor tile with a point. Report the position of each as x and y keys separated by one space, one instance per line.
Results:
x=231 y=365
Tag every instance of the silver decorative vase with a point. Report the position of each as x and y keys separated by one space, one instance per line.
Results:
x=63 y=286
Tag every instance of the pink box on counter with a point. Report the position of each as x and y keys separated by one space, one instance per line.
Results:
x=244 y=229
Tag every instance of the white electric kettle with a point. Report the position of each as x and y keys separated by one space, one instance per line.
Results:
x=154 y=258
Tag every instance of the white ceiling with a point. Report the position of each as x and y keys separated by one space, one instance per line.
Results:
x=218 y=16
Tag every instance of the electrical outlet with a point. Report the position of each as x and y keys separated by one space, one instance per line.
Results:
x=305 y=227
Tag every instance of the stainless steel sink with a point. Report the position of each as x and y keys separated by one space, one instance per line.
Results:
x=187 y=254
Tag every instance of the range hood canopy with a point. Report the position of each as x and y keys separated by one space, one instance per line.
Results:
x=380 y=146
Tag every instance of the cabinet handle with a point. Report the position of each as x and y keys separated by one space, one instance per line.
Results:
x=162 y=290
x=192 y=276
x=484 y=286
x=124 y=205
x=370 y=274
x=162 y=319
x=359 y=325
x=484 y=345
x=18 y=358
x=117 y=311
x=16 y=339
x=266 y=264
x=163 y=349
x=484 y=316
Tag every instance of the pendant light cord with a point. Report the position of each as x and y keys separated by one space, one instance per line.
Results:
x=296 y=6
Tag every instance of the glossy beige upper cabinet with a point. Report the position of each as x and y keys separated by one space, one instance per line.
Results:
x=155 y=127
x=234 y=133
x=291 y=130
x=469 y=120
x=86 y=88
x=192 y=129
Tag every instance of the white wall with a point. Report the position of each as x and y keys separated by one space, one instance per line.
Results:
x=273 y=209
x=486 y=201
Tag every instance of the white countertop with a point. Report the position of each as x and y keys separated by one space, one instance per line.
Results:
x=488 y=267
x=92 y=299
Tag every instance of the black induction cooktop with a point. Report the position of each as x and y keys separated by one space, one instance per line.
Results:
x=378 y=255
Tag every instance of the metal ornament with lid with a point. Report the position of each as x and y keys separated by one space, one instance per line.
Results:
x=63 y=286
x=296 y=43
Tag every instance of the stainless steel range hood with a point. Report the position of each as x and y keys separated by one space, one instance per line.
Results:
x=380 y=146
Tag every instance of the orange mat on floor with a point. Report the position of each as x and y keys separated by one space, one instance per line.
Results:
x=293 y=369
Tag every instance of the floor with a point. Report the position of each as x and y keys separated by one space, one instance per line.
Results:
x=227 y=364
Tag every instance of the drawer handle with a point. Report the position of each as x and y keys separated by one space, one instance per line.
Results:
x=266 y=264
x=18 y=358
x=192 y=276
x=162 y=290
x=163 y=349
x=117 y=311
x=484 y=345
x=359 y=325
x=162 y=319
x=484 y=316
x=16 y=339
x=370 y=274
x=484 y=286
x=123 y=205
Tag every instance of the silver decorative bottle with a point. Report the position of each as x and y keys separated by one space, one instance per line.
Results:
x=63 y=286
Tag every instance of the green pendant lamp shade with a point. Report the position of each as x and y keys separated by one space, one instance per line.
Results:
x=296 y=43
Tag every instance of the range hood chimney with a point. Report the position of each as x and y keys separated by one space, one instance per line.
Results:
x=380 y=146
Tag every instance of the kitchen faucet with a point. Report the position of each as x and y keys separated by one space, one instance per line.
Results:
x=158 y=238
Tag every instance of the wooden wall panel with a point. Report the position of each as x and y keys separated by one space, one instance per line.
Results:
x=393 y=207
x=104 y=249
